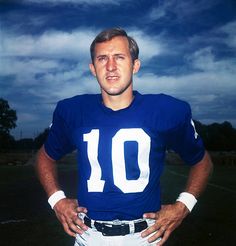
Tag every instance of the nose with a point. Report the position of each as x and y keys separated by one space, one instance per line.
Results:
x=111 y=64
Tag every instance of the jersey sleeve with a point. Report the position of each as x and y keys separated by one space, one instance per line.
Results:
x=185 y=140
x=59 y=141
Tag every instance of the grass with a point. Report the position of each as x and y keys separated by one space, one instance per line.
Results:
x=15 y=158
x=27 y=220
x=212 y=222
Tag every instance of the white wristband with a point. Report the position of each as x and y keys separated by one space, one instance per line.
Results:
x=187 y=199
x=56 y=197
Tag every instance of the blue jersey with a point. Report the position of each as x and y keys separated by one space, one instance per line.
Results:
x=121 y=153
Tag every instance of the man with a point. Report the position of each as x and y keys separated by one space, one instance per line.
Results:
x=121 y=137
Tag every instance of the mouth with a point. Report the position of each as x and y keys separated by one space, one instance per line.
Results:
x=112 y=77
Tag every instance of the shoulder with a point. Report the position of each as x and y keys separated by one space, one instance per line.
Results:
x=174 y=104
x=72 y=108
x=170 y=112
x=78 y=100
x=76 y=103
x=166 y=102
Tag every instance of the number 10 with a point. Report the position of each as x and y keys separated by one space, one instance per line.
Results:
x=95 y=183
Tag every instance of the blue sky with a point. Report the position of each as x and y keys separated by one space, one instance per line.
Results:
x=187 y=50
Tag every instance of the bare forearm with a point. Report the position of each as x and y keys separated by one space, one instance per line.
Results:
x=171 y=216
x=66 y=209
x=199 y=175
x=47 y=172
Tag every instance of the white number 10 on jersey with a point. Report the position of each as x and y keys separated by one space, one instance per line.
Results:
x=95 y=183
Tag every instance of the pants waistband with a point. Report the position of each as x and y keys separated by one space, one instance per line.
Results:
x=116 y=228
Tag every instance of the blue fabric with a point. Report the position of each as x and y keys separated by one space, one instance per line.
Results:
x=163 y=119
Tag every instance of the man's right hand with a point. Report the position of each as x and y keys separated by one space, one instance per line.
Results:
x=67 y=213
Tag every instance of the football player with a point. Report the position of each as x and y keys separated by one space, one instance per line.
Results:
x=121 y=138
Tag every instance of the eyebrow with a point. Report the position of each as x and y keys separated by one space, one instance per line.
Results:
x=117 y=54
x=99 y=56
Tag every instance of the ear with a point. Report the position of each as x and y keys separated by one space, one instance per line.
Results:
x=136 y=66
x=92 y=69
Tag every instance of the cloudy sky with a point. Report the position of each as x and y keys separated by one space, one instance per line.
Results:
x=187 y=49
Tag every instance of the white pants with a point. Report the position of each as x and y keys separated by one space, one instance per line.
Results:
x=94 y=238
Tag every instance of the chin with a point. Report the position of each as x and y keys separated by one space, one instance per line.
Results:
x=114 y=93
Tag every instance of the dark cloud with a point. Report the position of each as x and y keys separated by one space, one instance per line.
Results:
x=187 y=50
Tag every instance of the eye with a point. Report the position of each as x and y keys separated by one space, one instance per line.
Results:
x=102 y=58
x=120 y=57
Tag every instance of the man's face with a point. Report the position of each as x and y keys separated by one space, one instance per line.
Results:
x=113 y=66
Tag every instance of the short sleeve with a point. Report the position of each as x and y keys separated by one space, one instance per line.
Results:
x=59 y=141
x=185 y=140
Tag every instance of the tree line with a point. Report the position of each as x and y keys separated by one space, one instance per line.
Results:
x=216 y=136
x=8 y=118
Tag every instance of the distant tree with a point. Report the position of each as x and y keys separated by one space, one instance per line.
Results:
x=7 y=117
x=217 y=137
x=7 y=142
x=40 y=139
x=229 y=135
x=24 y=144
x=7 y=122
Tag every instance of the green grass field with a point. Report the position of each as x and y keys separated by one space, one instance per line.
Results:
x=27 y=220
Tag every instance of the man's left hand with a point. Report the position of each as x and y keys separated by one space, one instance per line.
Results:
x=167 y=220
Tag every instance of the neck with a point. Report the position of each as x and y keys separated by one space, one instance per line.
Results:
x=117 y=102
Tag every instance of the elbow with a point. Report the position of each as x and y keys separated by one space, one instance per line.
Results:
x=207 y=163
x=42 y=158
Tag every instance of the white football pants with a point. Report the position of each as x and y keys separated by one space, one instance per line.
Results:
x=94 y=238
